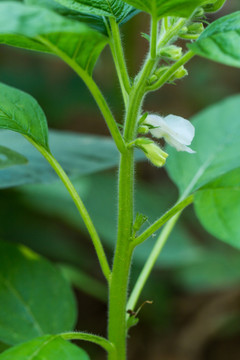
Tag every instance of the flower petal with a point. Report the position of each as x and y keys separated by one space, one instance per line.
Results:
x=180 y=128
x=177 y=131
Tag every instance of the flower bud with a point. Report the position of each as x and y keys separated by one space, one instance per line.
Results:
x=152 y=79
x=152 y=151
x=171 y=52
x=214 y=6
x=159 y=72
x=195 y=28
x=199 y=12
x=179 y=74
x=139 y=221
x=143 y=129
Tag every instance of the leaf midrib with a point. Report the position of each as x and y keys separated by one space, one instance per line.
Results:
x=23 y=302
x=42 y=346
x=204 y=166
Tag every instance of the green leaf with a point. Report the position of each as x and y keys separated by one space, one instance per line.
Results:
x=95 y=22
x=218 y=207
x=40 y=29
x=48 y=347
x=9 y=158
x=20 y=112
x=35 y=298
x=114 y=8
x=81 y=154
x=220 y=41
x=161 y=8
x=216 y=144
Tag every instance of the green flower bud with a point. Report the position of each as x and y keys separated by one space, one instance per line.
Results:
x=195 y=28
x=199 y=13
x=152 y=79
x=214 y=6
x=152 y=151
x=179 y=74
x=139 y=221
x=159 y=72
x=171 y=52
x=143 y=129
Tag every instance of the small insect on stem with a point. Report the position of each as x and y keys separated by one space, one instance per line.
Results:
x=133 y=313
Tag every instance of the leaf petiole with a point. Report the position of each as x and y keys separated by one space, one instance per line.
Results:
x=163 y=219
x=80 y=206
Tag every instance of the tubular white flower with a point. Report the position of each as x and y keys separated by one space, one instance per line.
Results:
x=177 y=131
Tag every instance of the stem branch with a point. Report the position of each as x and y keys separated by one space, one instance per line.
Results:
x=95 y=91
x=168 y=74
x=80 y=206
x=98 y=340
x=154 y=37
x=118 y=56
x=160 y=222
x=142 y=279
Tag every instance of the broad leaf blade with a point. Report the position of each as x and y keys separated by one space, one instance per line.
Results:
x=9 y=158
x=96 y=22
x=161 y=8
x=40 y=29
x=221 y=41
x=20 y=112
x=47 y=347
x=216 y=144
x=218 y=207
x=114 y=8
x=35 y=298
x=81 y=154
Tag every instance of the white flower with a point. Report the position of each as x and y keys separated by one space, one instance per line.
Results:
x=176 y=131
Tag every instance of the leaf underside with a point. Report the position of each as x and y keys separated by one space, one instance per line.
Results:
x=161 y=8
x=220 y=41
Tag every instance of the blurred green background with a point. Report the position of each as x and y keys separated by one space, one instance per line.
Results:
x=195 y=287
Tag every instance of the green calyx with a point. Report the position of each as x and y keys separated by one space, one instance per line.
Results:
x=152 y=151
x=171 y=52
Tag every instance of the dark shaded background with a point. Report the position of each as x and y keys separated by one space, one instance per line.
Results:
x=183 y=323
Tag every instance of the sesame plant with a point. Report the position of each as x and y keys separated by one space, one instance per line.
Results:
x=38 y=309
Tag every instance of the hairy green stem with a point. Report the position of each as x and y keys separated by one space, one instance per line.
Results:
x=122 y=258
x=119 y=59
x=160 y=222
x=168 y=74
x=142 y=279
x=171 y=33
x=80 y=206
x=98 y=340
x=95 y=91
x=117 y=326
x=154 y=37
